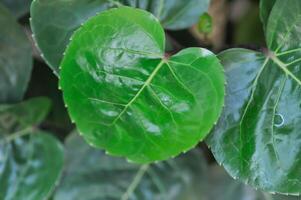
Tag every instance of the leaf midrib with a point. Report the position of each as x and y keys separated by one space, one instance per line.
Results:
x=273 y=57
x=146 y=83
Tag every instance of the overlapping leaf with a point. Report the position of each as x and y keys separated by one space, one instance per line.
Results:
x=30 y=160
x=124 y=96
x=15 y=59
x=64 y=17
x=258 y=137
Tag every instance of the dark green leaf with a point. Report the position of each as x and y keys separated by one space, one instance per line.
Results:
x=90 y=174
x=258 y=136
x=64 y=17
x=15 y=59
x=125 y=97
x=266 y=7
x=18 y=7
x=23 y=115
x=30 y=167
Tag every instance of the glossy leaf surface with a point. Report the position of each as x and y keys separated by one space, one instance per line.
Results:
x=15 y=59
x=30 y=160
x=125 y=97
x=90 y=174
x=17 y=7
x=64 y=17
x=258 y=136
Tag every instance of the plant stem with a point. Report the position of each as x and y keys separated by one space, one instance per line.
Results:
x=135 y=182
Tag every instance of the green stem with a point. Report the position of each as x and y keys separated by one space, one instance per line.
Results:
x=135 y=182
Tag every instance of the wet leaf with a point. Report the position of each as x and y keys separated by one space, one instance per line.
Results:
x=258 y=136
x=17 y=7
x=125 y=97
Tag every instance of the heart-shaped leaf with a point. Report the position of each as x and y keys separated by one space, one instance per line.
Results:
x=18 y=7
x=90 y=174
x=64 y=17
x=258 y=136
x=124 y=96
x=15 y=59
x=30 y=160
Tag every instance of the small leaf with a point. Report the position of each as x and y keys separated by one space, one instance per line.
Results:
x=30 y=167
x=15 y=59
x=90 y=174
x=17 y=7
x=64 y=17
x=205 y=24
x=126 y=98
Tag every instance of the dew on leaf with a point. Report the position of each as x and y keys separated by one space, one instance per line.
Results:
x=279 y=120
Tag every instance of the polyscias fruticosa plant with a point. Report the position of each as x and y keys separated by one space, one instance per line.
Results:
x=128 y=97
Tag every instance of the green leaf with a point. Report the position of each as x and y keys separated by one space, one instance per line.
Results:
x=30 y=167
x=125 y=97
x=266 y=7
x=258 y=136
x=18 y=7
x=30 y=160
x=64 y=17
x=283 y=29
x=90 y=174
x=205 y=24
x=15 y=59
x=21 y=116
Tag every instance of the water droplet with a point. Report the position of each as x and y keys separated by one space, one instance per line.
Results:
x=279 y=120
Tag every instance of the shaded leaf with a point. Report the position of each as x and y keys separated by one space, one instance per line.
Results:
x=30 y=160
x=30 y=167
x=125 y=97
x=15 y=59
x=64 y=17
x=17 y=7
x=23 y=115
x=90 y=174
